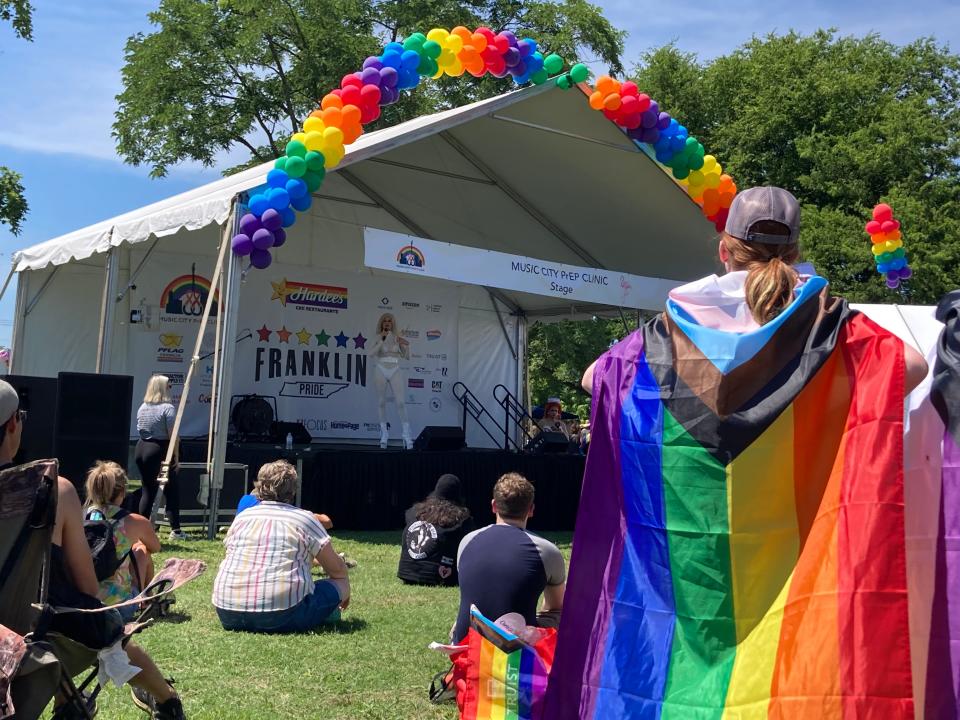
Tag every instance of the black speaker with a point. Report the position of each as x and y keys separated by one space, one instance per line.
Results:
x=440 y=437
x=279 y=430
x=92 y=422
x=547 y=441
x=38 y=396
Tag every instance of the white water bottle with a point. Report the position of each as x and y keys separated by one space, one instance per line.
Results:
x=289 y=441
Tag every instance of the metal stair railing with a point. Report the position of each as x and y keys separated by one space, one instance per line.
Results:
x=513 y=412
x=475 y=409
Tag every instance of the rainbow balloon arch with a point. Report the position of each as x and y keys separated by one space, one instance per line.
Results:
x=343 y=113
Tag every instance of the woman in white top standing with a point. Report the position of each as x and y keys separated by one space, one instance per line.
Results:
x=155 y=419
x=387 y=351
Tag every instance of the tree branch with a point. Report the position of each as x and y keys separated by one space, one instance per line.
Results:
x=288 y=104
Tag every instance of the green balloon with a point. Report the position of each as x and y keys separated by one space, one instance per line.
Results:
x=564 y=82
x=553 y=64
x=420 y=36
x=432 y=49
x=680 y=172
x=316 y=162
x=427 y=66
x=296 y=166
x=898 y=253
x=579 y=73
x=295 y=148
x=539 y=77
x=281 y=163
x=313 y=180
x=691 y=142
x=701 y=151
x=413 y=43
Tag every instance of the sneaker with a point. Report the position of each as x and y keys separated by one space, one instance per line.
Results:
x=172 y=709
x=177 y=535
x=142 y=699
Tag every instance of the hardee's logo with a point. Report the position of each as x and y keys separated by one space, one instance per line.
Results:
x=308 y=295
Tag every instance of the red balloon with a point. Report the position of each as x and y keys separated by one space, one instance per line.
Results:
x=644 y=101
x=882 y=212
x=351 y=95
x=370 y=95
x=873 y=227
x=497 y=66
x=351 y=80
x=629 y=105
x=631 y=122
x=628 y=88
x=487 y=33
x=887 y=226
x=501 y=43
x=490 y=54
x=369 y=113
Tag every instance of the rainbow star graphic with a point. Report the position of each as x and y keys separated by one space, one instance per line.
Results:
x=341 y=339
x=304 y=337
x=284 y=334
x=323 y=338
x=264 y=333
x=359 y=341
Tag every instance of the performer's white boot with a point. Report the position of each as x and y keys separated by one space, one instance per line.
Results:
x=407 y=442
x=384 y=436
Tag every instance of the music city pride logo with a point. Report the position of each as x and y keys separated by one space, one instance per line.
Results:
x=322 y=298
x=169 y=349
x=184 y=298
x=410 y=258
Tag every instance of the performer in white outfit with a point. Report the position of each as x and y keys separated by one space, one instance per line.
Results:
x=387 y=351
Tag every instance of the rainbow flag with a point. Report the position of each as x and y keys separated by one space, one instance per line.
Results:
x=739 y=549
x=506 y=678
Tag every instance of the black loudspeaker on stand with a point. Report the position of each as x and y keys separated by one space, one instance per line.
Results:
x=440 y=437
x=548 y=441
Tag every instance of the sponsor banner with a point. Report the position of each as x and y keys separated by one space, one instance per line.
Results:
x=387 y=250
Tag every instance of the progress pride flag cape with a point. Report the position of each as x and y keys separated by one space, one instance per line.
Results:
x=739 y=549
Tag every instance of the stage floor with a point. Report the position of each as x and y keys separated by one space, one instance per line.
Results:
x=362 y=487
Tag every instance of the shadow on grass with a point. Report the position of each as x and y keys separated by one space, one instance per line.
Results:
x=174 y=618
x=341 y=627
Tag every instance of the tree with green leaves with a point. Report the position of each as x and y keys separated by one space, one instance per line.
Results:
x=844 y=123
x=13 y=203
x=216 y=74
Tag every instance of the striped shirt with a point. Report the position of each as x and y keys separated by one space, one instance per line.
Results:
x=155 y=421
x=270 y=548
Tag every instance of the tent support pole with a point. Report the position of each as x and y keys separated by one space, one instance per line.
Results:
x=521 y=393
x=107 y=308
x=6 y=283
x=136 y=273
x=36 y=298
x=19 y=318
x=223 y=381
x=563 y=133
x=521 y=201
x=503 y=328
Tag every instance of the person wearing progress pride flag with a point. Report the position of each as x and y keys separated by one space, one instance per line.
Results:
x=739 y=549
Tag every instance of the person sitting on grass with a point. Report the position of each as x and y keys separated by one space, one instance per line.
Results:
x=264 y=582
x=134 y=535
x=434 y=528
x=504 y=568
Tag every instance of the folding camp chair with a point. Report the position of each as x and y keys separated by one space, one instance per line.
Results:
x=28 y=502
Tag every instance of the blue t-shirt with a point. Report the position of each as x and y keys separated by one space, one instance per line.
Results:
x=247 y=501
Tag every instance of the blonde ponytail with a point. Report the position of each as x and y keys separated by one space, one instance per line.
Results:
x=105 y=480
x=771 y=278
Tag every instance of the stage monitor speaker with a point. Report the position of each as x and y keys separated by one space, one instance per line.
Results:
x=38 y=397
x=279 y=430
x=547 y=441
x=92 y=422
x=440 y=437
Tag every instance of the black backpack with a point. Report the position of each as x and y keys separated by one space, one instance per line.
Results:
x=103 y=544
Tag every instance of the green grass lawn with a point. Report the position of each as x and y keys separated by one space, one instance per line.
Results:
x=374 y=663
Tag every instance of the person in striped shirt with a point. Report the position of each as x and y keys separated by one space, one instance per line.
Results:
x=264 y=582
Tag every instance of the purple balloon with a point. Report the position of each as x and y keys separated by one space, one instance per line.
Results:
x=249 y=224
x=635 y=133
x=893 y=275
x=905 y=273
x=370 y=76
x=279 y=237
x=262 y=239
x=648 y=119
x=893 y=284
x=518 y=70
x=525 y=48
x=663 y=121
x=511 y=57
x=372 y=62
x=389 y=95
x=388 y=78
x=271 y=220
x=261 y=259
x=655 y=109
x=242 y=244
x=511 y=38
x=650 y=135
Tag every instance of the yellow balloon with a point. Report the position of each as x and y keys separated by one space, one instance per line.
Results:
x=438 y=35
x=313 y=124
x=314 y=140
x=455 y=43
x=438 y=74
x=711 y=180
x=878 y=249
x=696 y=179
x=446 y=58
x=455 y=69
x=709 y=163
x=332 y=137
x=302 y=137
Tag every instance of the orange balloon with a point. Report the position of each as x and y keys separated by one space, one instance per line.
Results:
x=612 y=101
x=726 y=198
x=330 y=100
x=597 y=100
x=317 y=114
x=479 y=42
x=333 y=117
x=726 y=182
x=350 y=115
x=468 y=54
x=461 y=32
x=879 y=238
x=351 y=133
x=711 y=195
x=605 y=84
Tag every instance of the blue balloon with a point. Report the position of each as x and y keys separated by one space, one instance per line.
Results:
x=883 y=268
x=409 y=60
x=533 y=45
x=897 y=263
x=302 y=203
x=663 y=144
x=296 y=188
x=522 y=79
x=288 y=216
x=678 y=143
x=278 y=198
x=664 y=158
x=393 y=47
x=407 y=79
x=258 y=204
x=277 y=178
x=391 y=58
x=534 y=63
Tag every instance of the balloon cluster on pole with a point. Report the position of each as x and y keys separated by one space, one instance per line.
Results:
x=339 y=121
x=888 y=252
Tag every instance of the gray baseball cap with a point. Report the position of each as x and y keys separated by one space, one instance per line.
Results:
x=9 y=401
x=764 y=203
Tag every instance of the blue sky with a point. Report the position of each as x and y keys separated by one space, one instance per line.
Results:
x=59 y=90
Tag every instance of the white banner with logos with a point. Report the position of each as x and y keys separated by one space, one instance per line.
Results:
x=311 y=331
x=428 y=258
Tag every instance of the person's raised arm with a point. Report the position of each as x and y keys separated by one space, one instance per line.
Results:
x=916 y=368
x=73 y=541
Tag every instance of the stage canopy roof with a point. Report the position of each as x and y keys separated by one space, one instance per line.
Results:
x=534 y=172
